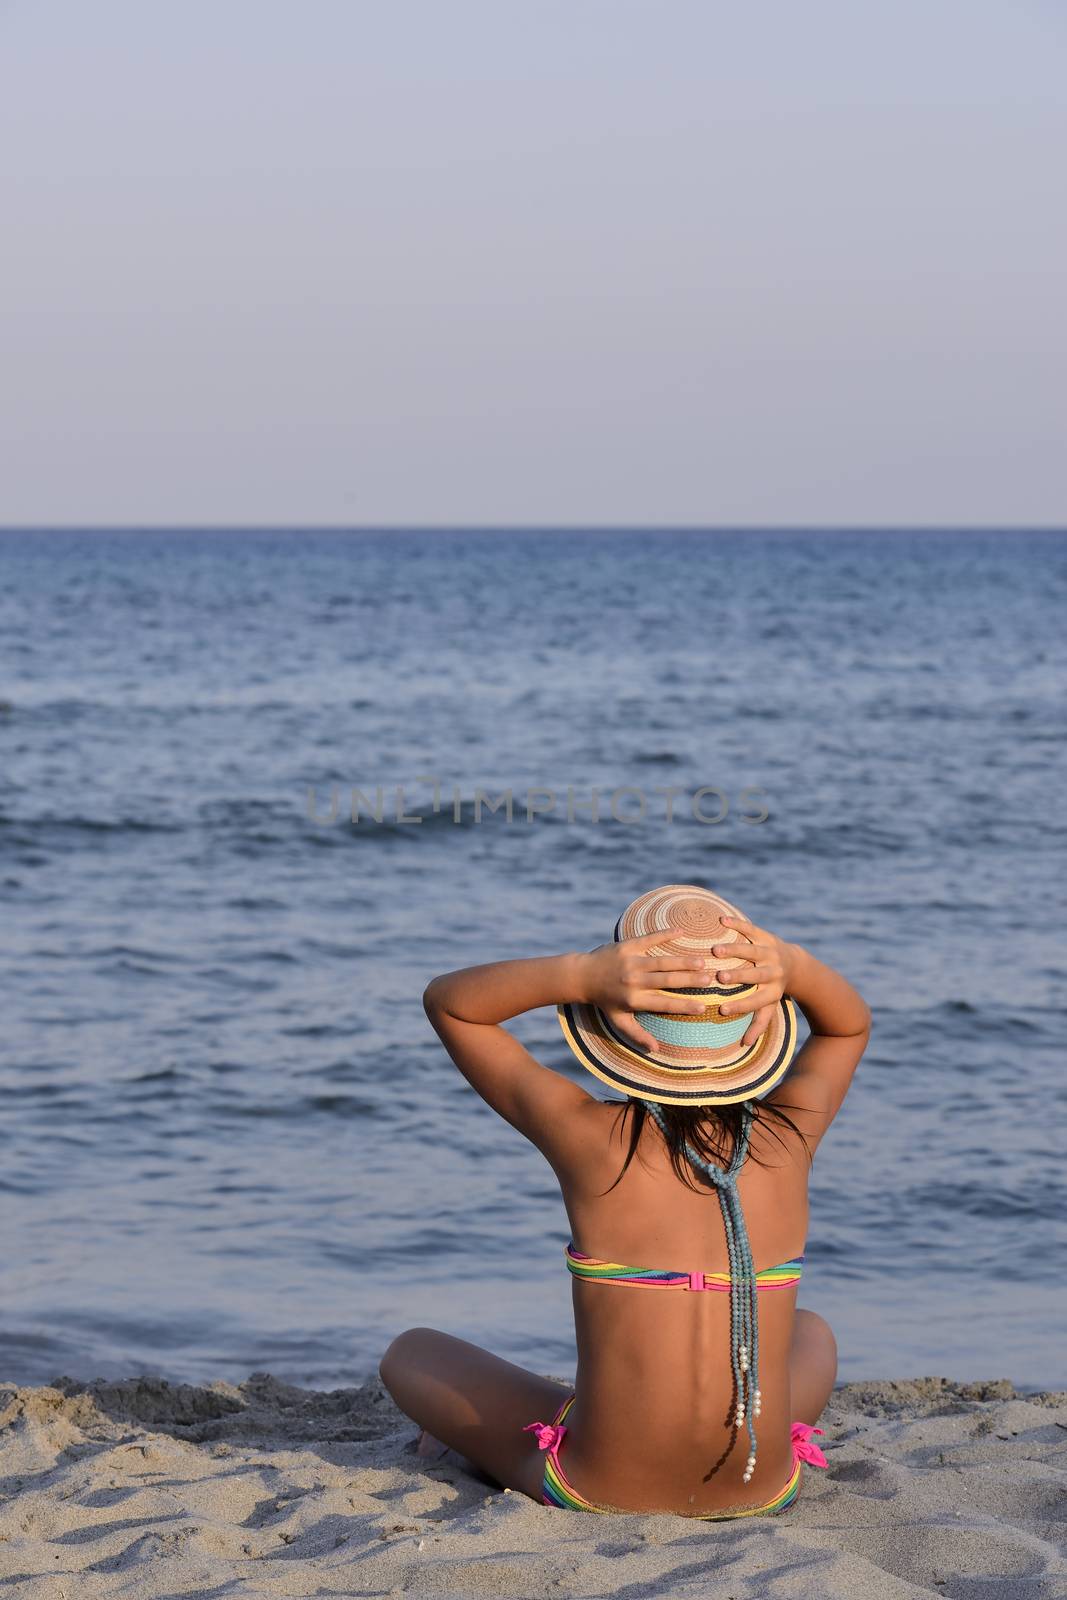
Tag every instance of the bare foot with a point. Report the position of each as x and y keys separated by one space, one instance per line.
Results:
x=430 y=1448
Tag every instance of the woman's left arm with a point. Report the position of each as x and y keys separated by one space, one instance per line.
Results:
x=467 y=1007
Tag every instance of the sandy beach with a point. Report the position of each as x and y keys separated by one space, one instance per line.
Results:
x=143 y=1488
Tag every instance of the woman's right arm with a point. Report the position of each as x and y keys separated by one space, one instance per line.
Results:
x=837 y=1014
x=830 y=1004
x=820 y=1076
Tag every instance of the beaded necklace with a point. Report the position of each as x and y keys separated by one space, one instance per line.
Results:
x=744 y=1301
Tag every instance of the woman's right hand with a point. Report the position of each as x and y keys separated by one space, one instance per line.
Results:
x=624 y=976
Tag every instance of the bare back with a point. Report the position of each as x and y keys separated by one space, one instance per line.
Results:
x=653 y=1423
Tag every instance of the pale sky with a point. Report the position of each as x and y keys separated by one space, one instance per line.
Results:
x=558 y=261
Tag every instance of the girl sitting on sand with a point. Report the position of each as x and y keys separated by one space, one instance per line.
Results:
x=689 y=1012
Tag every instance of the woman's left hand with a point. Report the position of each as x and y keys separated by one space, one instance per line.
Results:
x=769 y=970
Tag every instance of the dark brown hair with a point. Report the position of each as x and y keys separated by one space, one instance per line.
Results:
x=705 y=1128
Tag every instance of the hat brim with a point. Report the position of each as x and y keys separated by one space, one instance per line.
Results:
x=678 y=1076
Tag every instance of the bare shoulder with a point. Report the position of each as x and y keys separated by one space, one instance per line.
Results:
x=593 y=1141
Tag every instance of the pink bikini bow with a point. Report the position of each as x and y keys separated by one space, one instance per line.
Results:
x=548 y=1437
x=803 y=1447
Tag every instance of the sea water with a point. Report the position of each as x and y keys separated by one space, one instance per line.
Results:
x=231 y=1140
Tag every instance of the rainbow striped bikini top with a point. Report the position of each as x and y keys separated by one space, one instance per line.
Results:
x=593 y=1271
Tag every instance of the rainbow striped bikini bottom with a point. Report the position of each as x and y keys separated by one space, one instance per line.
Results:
x=556 y=1490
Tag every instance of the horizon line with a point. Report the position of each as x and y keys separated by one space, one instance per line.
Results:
x=531 y=527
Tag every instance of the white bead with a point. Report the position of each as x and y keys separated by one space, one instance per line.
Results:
x=745 y=1476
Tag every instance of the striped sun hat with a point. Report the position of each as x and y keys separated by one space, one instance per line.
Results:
x=700 y=1060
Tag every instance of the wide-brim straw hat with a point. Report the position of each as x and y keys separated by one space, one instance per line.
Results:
x=700 y=1060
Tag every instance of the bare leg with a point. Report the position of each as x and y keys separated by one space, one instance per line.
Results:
x=473 y=1403
x=812 y=1367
